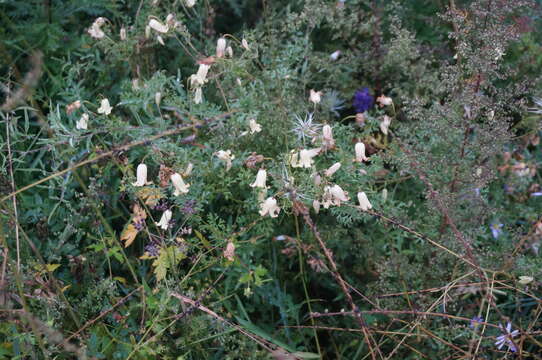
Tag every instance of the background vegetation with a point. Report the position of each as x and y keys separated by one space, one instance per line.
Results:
x=443 y=95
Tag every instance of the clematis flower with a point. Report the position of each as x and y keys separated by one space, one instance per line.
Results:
x=525 y=280
x=383 y=100
x=506 y=338
x=158 y=26
x=332 y=169
x=141 y=176
x=164 y=220
x=305 y=158
x=316 y=206
x=261 y=178
x=334 y=195
x=327 y=137
x=198 y=96
x=364 y=203
x=190 y=3
x=82 y=123
x=105 y=108
x=225 y=156
x=269 y=207
x=244 y=44
x=335 y=55
x=122 y=33
x=315 y=96
x=359 y=149
x=220 y=47
x=229 y=51
x=188 y=170
x=254 y=126
x=179 y=185
x=95 y=30
x=385 y=124
x=73 y=106
x=199 y=78
x=229 y=252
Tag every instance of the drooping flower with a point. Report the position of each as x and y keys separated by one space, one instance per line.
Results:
x=327 y=137
x=179 y=185
x=190 y=3
x=332 y=169
x=359 y=149
x=158 y=98
x=364 y=203
x=73 y=106
x=122 y=33
x=220 y=47
x=105 y=108
x=95 y=30
x=188 y=170
x=335 y=55
x=225 y=156
x=244 y=44
x=254 y=126
x=363 y=100
x=229 y=51
x=506 y=338
x=496 y=230
x=315 y=96
x=334 y=195
x=199 y=78
x=525 y=280
x=198 y=96
x=261 y=178
x=316 y=206
x=158 y=26
x=82 y=123
x=141 y=179
x=385 y=124
x=269 y=207
x=164 y=220
x=229 y=252
x=383 y=100
x=305 y=158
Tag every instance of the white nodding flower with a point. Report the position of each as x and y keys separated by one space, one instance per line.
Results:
x=269 y=207
x=338 y=194
x=105 y=108
x=384 y=195
x=158 y=26
x=305 y=158
x=82 y=123
x=364 y=203
x=525 y=280
x=229 y=52
x=179 y=185
x=190 y=3
x=199 y=78
x=164 y=220
x=383 y=100
x=170 y=19
x=147 y=32
x=160 y=40
x=188 y=170
x=316 y=206
x=198 y=96
x=360 y=152
x=261 y=179
x=158 y=98
x=220 y=47
x=123 y=33
x=385 y=124
x=225 y=156
x=332 y=169
x=335 y=55
x=254 y=126
x=244 y=44
x=327 y=135
x=95 y=30
x=141 y=179
x=315 y=96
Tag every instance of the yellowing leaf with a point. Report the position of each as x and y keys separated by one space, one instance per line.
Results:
x=128 y=235
x=139 y=214
x=203 y=239
x=168 y=257
x=120 y=279
x=52 y=267
x=150 y=195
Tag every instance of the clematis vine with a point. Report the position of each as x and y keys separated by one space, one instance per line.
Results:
x=141 y=176
x=269 y=207
x=179 y=184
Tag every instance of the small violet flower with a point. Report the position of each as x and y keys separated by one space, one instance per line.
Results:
x=496 y=230
x=506 y=338
x=363 y=101
x=475 y=321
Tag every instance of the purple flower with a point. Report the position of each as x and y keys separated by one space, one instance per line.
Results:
x=153 y=249
x=496 y=230
x=506 y=338
x=538 y=193
x=363 y=101
x=475 y=321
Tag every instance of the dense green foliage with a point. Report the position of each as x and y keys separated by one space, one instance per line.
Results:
x=194 y=255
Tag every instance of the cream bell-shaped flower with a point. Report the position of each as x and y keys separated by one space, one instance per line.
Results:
x=332 y=169
x=105 y=108
x=359 y=149
x=316 y=206
x=269 y=207
x=327 y=137
x=305 y=158
x=339 y=195
x=315 y=96
x=164 y=220
x=190 y=3
x=254 y=126
x=220 y=47
x=335 y=55
x=123 y=33
x=158 y=26
x=141 y=176
x=82 y=123
x=199 y=78
x=384 y=100
x=95 y=30
x=198 y=96
x=179 y=185
x=225 y=156
x=229 y=252
x=364 y=203
x=385 y=124
x=244 y=44
x=261 y=179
